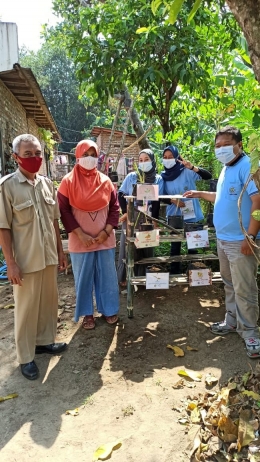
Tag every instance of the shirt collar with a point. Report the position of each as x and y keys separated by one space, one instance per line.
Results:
x=23 y=178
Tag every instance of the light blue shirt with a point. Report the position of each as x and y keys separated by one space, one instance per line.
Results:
x=131 y=179
x=185 y=182
x=230 y=184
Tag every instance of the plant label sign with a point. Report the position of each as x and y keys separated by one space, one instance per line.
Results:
x=157 y=280
x=188 y=211
x=200 y=277
x=148 y=192
x=147 y=238
x=197 y=239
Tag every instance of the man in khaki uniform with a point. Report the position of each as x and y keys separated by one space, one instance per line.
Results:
x=30 y=240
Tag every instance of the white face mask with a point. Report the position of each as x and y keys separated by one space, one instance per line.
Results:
x=145 y=166
x=225 y=154
x=169 y=163
x=88 y=162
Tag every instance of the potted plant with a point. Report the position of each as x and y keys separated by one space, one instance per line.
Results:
x=176 y=221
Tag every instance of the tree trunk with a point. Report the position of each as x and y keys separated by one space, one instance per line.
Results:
x=247 y=14
x=137 y=125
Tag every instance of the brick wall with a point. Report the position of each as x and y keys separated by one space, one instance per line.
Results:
x=13 y=122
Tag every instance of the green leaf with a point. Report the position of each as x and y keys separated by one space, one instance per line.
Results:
x=155 y=5
x=194 y=10
x=254 y=158
x=141 y=30
x=174 y=10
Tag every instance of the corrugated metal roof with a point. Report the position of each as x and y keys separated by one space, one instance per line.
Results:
x=23 y=85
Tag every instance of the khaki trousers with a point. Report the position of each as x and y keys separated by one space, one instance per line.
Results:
x=239 y=272
x=36 y=310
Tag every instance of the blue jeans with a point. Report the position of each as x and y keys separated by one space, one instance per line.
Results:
x=238 y=272
x=95 y=271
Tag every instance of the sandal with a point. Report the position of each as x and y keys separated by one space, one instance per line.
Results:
x=111 y=319
x=88 y=322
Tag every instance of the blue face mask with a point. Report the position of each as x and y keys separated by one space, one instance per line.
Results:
x=225 y=154
x=169 y=163
x=145 y=166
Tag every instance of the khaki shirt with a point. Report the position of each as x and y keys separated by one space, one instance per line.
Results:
x=29 y=211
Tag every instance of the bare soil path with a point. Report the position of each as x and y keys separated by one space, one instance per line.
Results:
x=120 y=378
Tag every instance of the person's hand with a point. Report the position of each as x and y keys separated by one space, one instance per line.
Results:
x=63 y=262
x=86 y=239
x=123 y=218
x=193 y=194
x=245 y=248
x=178 y=202
x=101 y=237
x=186 y=163
x=14 y=274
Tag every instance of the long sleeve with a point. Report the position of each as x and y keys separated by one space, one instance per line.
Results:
x=155 y=209
x=204 y=174
x=122 y=201
x=67 y=216
x=113 y=213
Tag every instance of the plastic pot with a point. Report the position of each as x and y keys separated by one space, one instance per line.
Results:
x=146 y=227
x=113 y=177
x=175 y=221
x=189 y=227
x=155 y=269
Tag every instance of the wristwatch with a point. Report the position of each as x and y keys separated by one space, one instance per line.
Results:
x=251 y=236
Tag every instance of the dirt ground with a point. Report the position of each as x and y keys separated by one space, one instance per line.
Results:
x=121 y=378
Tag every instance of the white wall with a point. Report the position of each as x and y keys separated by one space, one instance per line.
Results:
x=9 y=53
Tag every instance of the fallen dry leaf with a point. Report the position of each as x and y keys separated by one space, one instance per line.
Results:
x=179 y=384
x=5 y=398
x=195 y=415
x=192 y=349
x=196 y=376
x=210 y=379
x=194 y=438
x=227 y=430
x=177 y=350
x=73 y=412
x=252 y=394
x=103 y=452
x=246 y=432
x=7 y=307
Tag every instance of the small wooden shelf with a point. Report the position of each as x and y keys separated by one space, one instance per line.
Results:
x=177 y=258
x=174 y=280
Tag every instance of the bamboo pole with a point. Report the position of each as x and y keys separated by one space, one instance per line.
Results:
x=112 y=134
x=130 y=256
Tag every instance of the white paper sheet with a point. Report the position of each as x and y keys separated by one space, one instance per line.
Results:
x=188 y=211
x=157 y=280
x=197 y=239
x=147 y=239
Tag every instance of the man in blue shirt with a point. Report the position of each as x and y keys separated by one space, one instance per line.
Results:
x=238 y=265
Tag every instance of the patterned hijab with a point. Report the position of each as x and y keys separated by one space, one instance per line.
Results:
x=149 y=177
x=172 y=173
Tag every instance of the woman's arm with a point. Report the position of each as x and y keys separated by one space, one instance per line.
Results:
x=67 y=217
x=122 y=201
x=113 y=213
x=203 y=173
